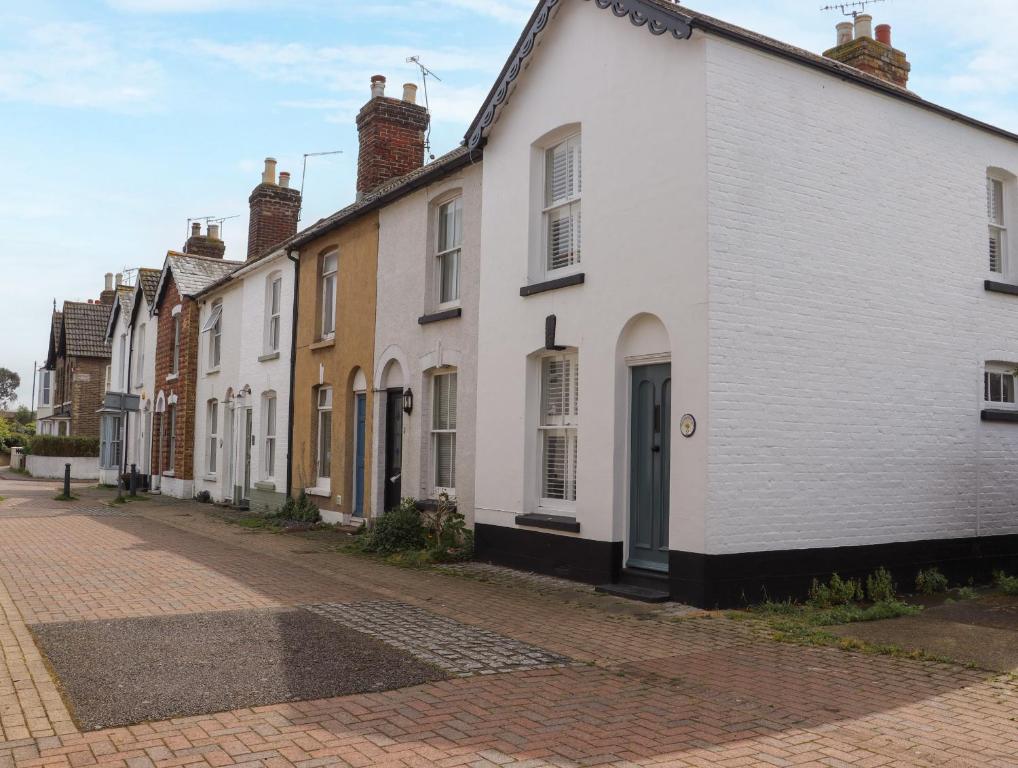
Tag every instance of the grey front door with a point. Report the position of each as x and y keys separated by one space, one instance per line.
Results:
x=650 y=453
x=248 y=443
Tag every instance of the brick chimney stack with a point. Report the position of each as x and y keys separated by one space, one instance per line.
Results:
x=274 y=211
x=857 y=48
x=391 y=133
x=108 y=292
x=209 y=244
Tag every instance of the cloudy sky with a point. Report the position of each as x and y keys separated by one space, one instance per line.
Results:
x=120 y=119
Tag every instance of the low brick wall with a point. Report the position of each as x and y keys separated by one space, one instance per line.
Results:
x=82 y=467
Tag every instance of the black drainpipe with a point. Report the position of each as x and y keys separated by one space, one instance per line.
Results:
x=293 y=370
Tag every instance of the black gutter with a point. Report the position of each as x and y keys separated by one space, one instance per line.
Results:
x=293 y=374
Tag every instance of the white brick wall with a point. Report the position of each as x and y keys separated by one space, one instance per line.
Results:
x=848 y=321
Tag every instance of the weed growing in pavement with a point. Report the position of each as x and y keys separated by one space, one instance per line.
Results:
x=930 y=582
x=880 y=587
x=62 y=497
x=965 y=593
x=837 y=591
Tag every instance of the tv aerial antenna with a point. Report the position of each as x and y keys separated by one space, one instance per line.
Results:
x=425 y=74
x=852 y=9
x=304 y=172
x=210 y=220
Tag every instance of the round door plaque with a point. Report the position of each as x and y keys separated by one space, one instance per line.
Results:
x=687 y=425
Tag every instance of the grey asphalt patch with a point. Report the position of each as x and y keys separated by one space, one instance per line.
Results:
x=456 y=647
x=132 y=670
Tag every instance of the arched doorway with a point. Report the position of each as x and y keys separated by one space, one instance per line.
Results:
x=392 y=449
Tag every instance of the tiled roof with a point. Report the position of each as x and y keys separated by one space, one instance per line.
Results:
x=85 y=329
x=148 y=279
x=125 y=295
x=192 y=274
x=56 y=324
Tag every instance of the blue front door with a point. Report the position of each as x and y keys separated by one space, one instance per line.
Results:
x=360 y=413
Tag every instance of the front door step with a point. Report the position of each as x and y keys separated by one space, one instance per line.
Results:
x=634 y=592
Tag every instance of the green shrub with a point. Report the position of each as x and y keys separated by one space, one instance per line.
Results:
x=446 y=532
x=880 y=587
x=65 y=447
x=930 y=581
x=300 y=510
x=203 y=497
x=1006 y=584
x=398 y=530
x=837 y=591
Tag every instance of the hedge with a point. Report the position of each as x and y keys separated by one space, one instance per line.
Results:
x=70 y=447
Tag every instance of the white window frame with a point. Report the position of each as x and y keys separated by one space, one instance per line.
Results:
x=324 y=402
x=45 y=388
x=171 y=420
x=562 y=424
x=107 y=378
x=212 y=438
x=446 y=252
x=1000 y=382
x=214 y=328
x=329 y=283
x=569 y=202
x=996 y=214
x=438 y=431
x=175 y=359
x=122 y=364
x=139 y=348
x=273 y=311
x=110 y=444
x=270 y=408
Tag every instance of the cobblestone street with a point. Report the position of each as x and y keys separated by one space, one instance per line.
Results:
x=540 y=673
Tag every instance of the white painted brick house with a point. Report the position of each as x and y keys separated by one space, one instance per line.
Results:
x=781 y=249
x=242 y=402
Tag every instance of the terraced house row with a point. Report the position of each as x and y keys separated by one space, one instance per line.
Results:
x=689 y=313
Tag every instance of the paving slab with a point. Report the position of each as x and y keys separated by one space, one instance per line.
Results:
x=983 y=632
x=128 y=671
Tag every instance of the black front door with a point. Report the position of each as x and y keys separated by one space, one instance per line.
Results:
x=650 y=449
x=393 y=447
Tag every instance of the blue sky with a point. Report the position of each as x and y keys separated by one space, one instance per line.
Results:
x=120 y=119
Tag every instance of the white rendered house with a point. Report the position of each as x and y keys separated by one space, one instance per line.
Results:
x=740 y=324
x=242 y=402
x=426 y=337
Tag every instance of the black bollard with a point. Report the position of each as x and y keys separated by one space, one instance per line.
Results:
x=134 y=480
x=67 y=480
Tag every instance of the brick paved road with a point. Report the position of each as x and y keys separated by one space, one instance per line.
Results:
x=655 y=691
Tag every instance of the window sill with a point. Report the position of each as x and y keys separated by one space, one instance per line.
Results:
x=323 y=492
x=169 y=474
x=549 y=522
x=323 y=343
x=431 y=505
x=550 y=285
x=999 y=287
x=268 y=356
x=139 y=385
x=212 y=371
x=172 y=376
x=997 y=414
x=265 y=485
x=445 y=314
x=210 y=477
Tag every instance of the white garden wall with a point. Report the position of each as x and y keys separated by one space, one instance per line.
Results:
x=82 y=467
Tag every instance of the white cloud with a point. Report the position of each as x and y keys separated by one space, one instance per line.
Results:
x=75 y=65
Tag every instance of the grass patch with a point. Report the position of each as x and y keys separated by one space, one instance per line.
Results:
x=126 y=499
x=1006 y=584
x=62 y=497
x=20 y=471
x=2 y=499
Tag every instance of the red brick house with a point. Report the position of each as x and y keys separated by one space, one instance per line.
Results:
x=175 y=309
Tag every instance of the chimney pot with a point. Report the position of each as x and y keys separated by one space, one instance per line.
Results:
x=884 y=34
x=284 y=179
x=410 y=93
x=195 y=229
x=377 y=86
x=118 y=279
x=214 y=232
x=845 y=32
x=109 y=281
x=269 y=174
x=863 y=26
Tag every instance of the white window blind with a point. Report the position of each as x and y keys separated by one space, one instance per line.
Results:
x=270 y=435
x=212 y=436
x=214 y=327
x=563 y=185
x=443 y=431
x=44 y=388
x=998 y=230
x=175 y=366
x=330 y=263
x=558 y=427
x=450 y=239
